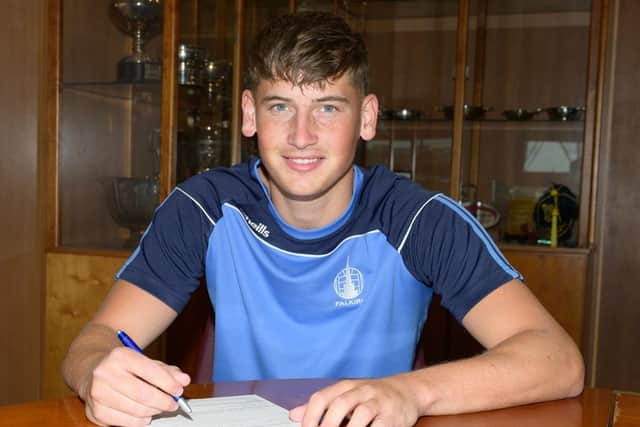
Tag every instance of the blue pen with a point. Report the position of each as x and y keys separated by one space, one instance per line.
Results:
x=130 y=343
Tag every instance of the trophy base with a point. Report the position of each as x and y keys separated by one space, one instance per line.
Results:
x=136 y=72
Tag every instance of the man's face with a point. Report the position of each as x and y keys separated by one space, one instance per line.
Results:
x=307 y=137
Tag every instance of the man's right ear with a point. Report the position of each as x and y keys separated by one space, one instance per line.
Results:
x=248 y=114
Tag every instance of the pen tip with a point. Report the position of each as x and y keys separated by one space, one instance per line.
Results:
x=184 y=405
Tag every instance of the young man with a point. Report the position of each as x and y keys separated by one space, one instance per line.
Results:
x=317 y=268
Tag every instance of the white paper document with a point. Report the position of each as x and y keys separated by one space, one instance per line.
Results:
x=234 y=411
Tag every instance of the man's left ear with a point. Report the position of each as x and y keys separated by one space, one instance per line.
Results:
x=369 y=117
x=248 y=114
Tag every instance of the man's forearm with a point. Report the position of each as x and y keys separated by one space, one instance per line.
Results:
x=85 y=352
x=529 y=367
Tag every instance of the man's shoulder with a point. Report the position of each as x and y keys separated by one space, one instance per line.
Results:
x=391 y=202
x=234 y=184
x=381 y=185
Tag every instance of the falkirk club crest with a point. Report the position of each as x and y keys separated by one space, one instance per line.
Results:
x=348 y=283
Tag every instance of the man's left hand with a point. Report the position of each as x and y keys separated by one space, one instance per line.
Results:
x=386 y=402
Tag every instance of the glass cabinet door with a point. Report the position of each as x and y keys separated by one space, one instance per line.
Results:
x=204 y=79
x=213 y=35
x=412 y=49
x=108 y=141
x=524 y=127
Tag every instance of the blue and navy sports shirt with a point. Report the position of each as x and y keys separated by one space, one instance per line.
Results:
x=345 y=300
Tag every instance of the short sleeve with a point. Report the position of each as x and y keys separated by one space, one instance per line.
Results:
x=450 y=251
x=169 y=261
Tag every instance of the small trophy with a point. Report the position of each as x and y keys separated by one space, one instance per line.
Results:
x=139 y=19
x=131 y=202
x=218 y=76
x=191 y=65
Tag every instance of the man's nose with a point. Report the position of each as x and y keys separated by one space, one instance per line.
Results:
x=302 y=131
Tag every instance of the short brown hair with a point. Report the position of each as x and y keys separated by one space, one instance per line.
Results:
x=308 y=48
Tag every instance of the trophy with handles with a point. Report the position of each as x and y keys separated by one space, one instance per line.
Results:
x=131 y=202
x=140 y=19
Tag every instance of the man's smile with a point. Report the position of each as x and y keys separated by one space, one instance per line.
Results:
x=303 y=164
x=303 y=161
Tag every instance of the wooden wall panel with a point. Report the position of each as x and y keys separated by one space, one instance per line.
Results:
x=76 y=285
x=617 y=342
x=20 y=288
x=558 y=278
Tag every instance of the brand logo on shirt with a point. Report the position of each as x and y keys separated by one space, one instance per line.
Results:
x=259 y=228
x=348 y=284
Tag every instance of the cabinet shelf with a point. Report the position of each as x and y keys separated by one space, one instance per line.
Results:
x=113 y=89
x=487 y=124
x=541 y=249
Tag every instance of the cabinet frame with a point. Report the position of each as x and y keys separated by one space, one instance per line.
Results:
x=168 y=148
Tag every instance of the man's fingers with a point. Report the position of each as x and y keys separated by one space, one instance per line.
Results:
x=314 y=410
x=113 y=408
x=364 y=413
x=114 y=417
x=296 y=414
x=358 y=403
x=151 y=371
x=331 y=405
x=182 y=377
x=134 y=397
x=132 y=377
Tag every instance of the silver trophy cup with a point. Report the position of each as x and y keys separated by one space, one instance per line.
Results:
x=131 y=202
x=139 y=19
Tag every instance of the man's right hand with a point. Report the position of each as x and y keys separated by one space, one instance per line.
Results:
x=121 y=386
x=127 y=388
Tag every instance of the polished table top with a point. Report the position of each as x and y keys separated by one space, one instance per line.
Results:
x=595 y=407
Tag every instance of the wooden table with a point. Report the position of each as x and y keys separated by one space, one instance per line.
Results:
x=626 y=410
x=594 y=408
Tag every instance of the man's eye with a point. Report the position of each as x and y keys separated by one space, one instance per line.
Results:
x=278 y=107
x=328 y=109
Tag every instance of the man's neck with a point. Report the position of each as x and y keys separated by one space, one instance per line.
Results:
x=311 y=214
